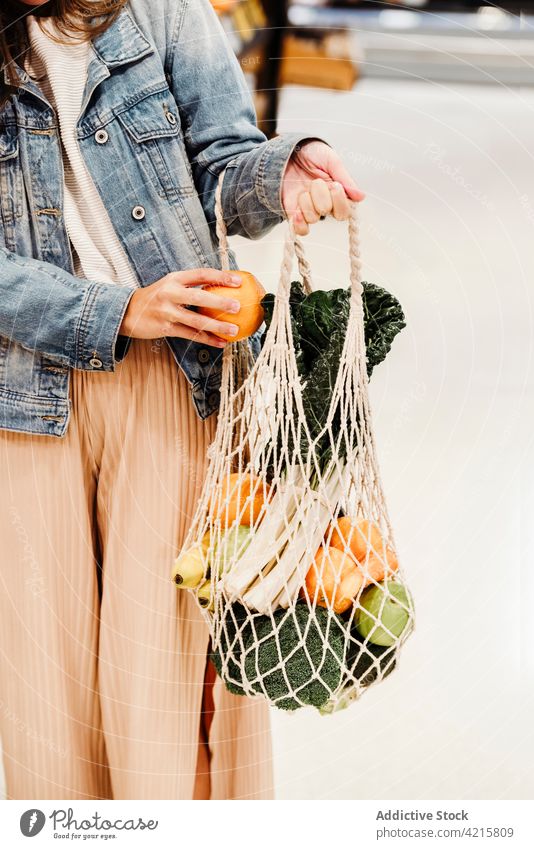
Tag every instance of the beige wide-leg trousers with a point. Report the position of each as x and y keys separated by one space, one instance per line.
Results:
x=102 y=659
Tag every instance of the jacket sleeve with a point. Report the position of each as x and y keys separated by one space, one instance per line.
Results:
x=219 y=125
x=69 y=319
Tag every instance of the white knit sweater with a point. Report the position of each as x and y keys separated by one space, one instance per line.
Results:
x=98 y=254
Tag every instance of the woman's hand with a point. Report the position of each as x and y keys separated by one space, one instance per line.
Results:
x=161 y=308
x=315 y=184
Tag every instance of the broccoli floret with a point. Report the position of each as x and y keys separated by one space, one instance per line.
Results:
x=276 y=661
x=277 y=664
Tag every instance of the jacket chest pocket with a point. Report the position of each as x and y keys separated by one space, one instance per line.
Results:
x=11 y=186
x=153 y=126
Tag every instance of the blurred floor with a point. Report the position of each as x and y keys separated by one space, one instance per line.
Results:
x=449 y=226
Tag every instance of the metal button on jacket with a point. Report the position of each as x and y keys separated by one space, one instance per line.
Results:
x=171 y=118
x=203 y=355
x=101 y=136
x=138 y=212
x=95 y=362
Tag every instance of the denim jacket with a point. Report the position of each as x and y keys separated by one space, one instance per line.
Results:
x=165 y=110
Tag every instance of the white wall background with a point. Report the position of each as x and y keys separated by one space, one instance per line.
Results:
x=449 y=226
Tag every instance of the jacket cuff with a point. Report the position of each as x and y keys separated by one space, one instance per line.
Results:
x=252 y=189
x=97 y=332
x=272 y=167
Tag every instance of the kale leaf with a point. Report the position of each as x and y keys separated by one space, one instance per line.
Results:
x=319 y=322
x=383 y=320
x=315 y=317
x=296 y=298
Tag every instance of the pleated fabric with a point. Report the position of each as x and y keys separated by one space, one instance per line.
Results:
x=102 y=659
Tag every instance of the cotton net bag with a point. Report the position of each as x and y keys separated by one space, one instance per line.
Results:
x=291 y=554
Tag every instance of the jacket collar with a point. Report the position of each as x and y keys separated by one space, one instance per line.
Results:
x=122 y=42
x=119 y=44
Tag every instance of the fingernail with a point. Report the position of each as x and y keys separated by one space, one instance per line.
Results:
x=235 y=278
x=233 y=329
x=235 y=306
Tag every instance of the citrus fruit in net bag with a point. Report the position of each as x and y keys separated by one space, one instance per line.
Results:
x=239 y=499
x=333 y=580
x=357 y=540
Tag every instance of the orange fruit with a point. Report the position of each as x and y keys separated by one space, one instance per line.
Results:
x=336 y=579
x=223 y=6
x=250 y=316
x=241 y=499
x=375 y=569
x=357 y=538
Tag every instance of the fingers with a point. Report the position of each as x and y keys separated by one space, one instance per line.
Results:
x=202 y=337
x=160 y=309
x=308 y=209
x=300 y=225
x=339 y=174
x=203 y=324
x=203 y=276
x=205 y=298
x=340 y=202
x=322 y=199
x=312 y=206
x=171 y=296
x=185 y=288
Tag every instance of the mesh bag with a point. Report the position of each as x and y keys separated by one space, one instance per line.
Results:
x=291 y=553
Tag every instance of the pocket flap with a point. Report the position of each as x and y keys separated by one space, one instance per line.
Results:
x=154 y=117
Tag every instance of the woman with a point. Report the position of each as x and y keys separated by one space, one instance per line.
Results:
x=117 y=119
